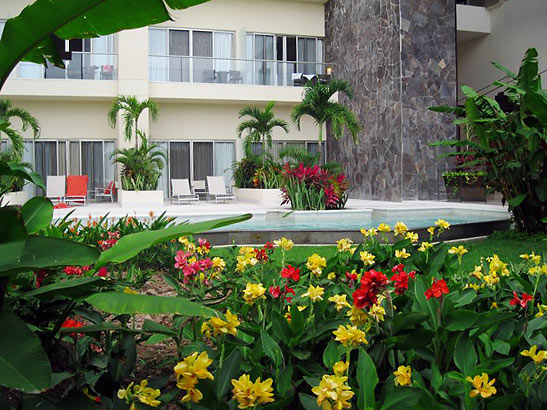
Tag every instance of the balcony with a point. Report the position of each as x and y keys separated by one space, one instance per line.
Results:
x=210 y=70
x=82 y=66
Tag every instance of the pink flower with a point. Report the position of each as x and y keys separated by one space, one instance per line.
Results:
x=102 y=272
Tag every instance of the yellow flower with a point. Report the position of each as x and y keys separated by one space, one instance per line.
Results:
x=403 y=376
x=494 y=305
x=246 y=257
x=130 y=291
x=377 y=312
x=218 y=263
x=459 y=251
x=542 y=309
x=536 y=270
x=249 y=394
x=497 y=266
x=315 y=293
x=442 y=224
x=413 y=236
x=191 y=369
x=384 y=228
x=369 y=233
x=491 y=280
x=331 y=276
x=402 y=253
x=477 y=272
x=147 y=395
x=431 y=230
x=333 y=393
x=340 y=368
x=537 y=357
x=284 y=243
x=344 y=245
x=367 y=258
x=482 y=386
x=252 y=292
x=340 y=302
x=350 y=336
x=424 y=246
x=475 y=286
x=222 y=327
x=400 y=229
x=536 y=259
x=358 y=317
x=125 y=394
x=206 y=329
x=316 y=264
x=193 y=395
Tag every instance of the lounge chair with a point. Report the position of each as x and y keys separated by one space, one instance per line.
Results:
x=180 y=189
x=76 y=189
x=107 y=192
x=200 y=188
x=217 y=189
x=55 y=187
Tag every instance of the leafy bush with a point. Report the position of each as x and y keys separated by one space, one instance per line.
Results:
x=510 y=141
x=257 y=173
x=313 y=188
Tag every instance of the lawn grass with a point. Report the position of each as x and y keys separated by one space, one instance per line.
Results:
x=508 y=250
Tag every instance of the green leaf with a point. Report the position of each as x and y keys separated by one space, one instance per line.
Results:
x=230 y=370
x=284 y=383
x=154 y=327
x=465 y=355
x=516 y=201
x=401 y=398
x=331 y=354
x=37 y=214
x=13 y=227
x=458 y=320
x=271 y=348
x=23 y=363
x=125 y=303
x=130 y=245
x=407 y=320
x=466 y=297
x=494 y=366
x=74 y=19
x=14 y=169
x=69 y=287
x=37 y=252
x=501 y=347
x=106 y=326
x=308 y=402
x=367 y=378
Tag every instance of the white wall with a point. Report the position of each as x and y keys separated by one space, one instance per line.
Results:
x=515 y=26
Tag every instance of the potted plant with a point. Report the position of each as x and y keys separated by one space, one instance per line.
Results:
x=11 y=187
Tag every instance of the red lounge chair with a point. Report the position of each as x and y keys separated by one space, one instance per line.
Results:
x=76 y=189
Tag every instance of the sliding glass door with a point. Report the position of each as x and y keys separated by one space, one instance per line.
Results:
x=224 y=159
x=45 y=160
x=203 y=160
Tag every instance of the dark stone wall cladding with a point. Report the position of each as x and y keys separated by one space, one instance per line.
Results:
x=400 y=57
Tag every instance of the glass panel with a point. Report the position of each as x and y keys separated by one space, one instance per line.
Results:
x=103 y=45
x=256 y=148
x=87 y=162
x=54 y=72
x=224 y=158
x=223 y=50
x=2 y=24
x=312 y=149
x=109 y=165
x=61 y=147
x=179 y=43
x=74 y=158
x=29 y=70
x=249 y=53
x=277 y=147
x=202 y=42
x=179 y=160
x=158 y=47
x=45 y=156
x=98 y=173
x=203 y=160
x=28 y=158
x=163 y=182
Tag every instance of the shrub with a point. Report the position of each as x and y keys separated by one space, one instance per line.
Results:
x=313 y=188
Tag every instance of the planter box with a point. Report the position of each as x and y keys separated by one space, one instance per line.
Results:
x=132 y=198
x=259 y=196
x=15 y=198
x=457 y=188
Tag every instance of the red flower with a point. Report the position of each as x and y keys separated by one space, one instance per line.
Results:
x=437 y=289
x=289 y=291
x=375 y=280
x=523 y=302
x=364 y=297
x=70 y=323
x=275 y=291
x=261 y=255
x=412 y=274
x=351 y=276
x=73 y=270
x=269 y=245
x=290 y=272
x=102 y=272
x=40 y=276
x=398 y=268
x=400 y=282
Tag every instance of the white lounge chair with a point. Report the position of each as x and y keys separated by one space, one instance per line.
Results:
x=200 y=188
x=180 y=189
x=217 y=189
x=55 y=187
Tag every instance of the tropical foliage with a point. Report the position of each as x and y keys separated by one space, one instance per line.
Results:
x=510 y=142
x=259 y=128
x=130 y=108
x=7 y=113
x=318 y=104
x=141 y=167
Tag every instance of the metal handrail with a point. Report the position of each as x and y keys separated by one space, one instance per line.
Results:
x=242 y=59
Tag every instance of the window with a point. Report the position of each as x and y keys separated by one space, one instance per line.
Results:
x=190 y=55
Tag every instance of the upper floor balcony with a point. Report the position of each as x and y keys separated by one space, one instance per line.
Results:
x=187 y=69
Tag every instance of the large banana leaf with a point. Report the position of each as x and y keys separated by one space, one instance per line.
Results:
x=126 y=303
x=130 y=245
x=18 y=170
x=23 y=363
x=29 y=36
x=37 y=214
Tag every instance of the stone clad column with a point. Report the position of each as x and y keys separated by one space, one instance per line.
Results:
x=400 y=58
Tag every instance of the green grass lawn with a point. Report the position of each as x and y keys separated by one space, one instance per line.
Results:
x=508 y=250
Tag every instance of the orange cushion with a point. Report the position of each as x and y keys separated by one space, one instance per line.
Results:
x=76 y=185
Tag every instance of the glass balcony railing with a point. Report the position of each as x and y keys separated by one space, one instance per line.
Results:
x=82 y=66
x=236 y=71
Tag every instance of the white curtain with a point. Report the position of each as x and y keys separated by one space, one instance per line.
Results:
x=163 y=182
x=74 y=158
x=109 y=166
x=224 y=157
x=103 y=57
x=158 y=42
x=29 y=158
x=249 y=55
x=223 y=50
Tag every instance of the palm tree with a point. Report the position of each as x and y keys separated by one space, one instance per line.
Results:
x=318 y=105
x=259 y=127
x=132 y=109
x=7 y=112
